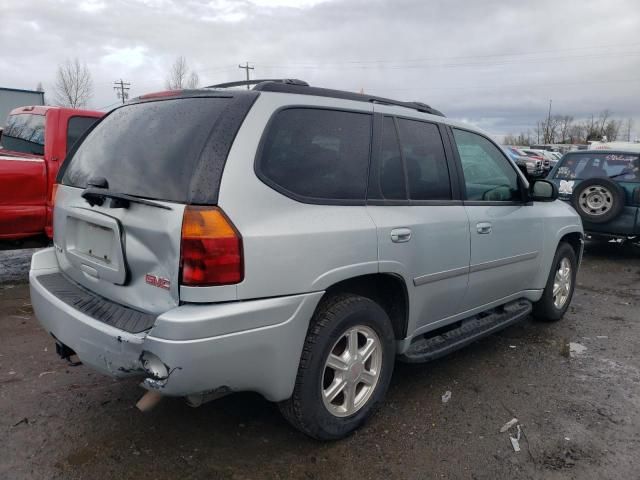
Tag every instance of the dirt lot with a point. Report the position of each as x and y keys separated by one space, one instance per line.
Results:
x=579 y=413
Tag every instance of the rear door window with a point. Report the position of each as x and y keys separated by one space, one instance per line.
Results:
x=76 y=128
x=317 y=155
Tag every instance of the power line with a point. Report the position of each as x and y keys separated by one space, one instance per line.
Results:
x=460 y=57
x=409 y=65
x=122 y=89
x=516 y=86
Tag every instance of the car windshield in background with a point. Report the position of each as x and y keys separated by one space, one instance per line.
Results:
x=149 y=149
x=24 y=133
x=581 y=166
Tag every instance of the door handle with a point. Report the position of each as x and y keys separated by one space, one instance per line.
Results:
x=400 y=235
x=483 y=228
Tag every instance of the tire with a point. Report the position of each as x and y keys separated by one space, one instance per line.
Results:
x=598 y=200
x=308 y=409
x=547 y=309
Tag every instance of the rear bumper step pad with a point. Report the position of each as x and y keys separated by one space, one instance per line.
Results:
x=472 y=329
x=95 y=306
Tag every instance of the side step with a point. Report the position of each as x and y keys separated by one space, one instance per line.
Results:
x=426 y=348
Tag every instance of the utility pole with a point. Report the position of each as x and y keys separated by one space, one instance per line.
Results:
x=122 y=89
x=246 y=68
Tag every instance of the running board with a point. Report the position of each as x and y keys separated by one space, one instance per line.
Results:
x=427 y=348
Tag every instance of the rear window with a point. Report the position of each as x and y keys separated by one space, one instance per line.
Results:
x=24 y=133
x=76 y=127
x=317 y=155
x=581 y=166
x=167 y=150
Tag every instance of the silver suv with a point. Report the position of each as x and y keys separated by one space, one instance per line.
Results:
x=292 y=241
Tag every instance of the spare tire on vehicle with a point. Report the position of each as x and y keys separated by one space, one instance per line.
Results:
x=598 y=200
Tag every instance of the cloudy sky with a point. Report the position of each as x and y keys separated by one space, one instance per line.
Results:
x=492 y=63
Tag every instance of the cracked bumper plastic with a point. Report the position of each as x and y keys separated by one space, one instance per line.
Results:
x=236 y=346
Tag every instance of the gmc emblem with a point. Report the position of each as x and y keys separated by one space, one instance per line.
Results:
x=157 y=281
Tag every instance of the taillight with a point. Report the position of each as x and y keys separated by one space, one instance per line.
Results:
x=211 y=250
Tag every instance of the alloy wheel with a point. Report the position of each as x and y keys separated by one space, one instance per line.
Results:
x=351 y=371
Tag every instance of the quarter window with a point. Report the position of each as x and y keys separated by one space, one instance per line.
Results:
x=318 y=154
x=488 y=174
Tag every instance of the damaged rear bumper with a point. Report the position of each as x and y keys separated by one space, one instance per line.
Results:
x=191 y=350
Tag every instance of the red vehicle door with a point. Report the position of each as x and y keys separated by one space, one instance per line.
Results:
x=23 y=177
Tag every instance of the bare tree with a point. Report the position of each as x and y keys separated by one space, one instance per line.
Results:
x=179 y=76
x=539 y=130
x=509 y=139
x=612 y=129
x=40 y=88
x=602 y=121
x=74 y=86
x=577 y=133
x=628 y=125
x=524 y=139
x=591 y=129
x=194 y=80
x=565 y=122
x=549 y=128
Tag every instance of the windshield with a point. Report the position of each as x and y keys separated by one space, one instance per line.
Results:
x=149 y=150
x=24 y=133
x=580 y=166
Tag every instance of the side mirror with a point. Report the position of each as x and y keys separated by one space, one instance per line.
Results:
x=544 y=191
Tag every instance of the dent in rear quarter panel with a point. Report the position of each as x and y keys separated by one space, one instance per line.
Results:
x=291 y=247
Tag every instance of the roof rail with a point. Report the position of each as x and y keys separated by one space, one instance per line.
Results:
x=304 y=89
x=243 y=83
x=290 y=85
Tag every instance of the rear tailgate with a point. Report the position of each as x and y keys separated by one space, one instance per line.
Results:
x=128 y=255
x=159 y=156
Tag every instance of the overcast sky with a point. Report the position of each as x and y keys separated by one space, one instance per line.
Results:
x=492 y=63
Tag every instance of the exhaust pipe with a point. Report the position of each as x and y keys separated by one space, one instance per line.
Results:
x=148 y=401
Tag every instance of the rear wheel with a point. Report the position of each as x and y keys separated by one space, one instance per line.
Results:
x=345 y=368
x=560 y=286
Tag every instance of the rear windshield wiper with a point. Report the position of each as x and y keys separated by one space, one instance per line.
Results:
x=97 y=195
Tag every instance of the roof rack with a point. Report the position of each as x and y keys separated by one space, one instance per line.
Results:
x=290 y=85
x=243 y=83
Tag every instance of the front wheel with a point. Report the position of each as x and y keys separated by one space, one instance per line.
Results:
x=560 y=286
x=345 y=368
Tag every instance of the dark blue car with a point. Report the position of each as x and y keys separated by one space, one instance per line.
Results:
x=604 y=188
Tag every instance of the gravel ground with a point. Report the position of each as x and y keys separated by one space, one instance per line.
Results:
x=579 y=413
x=14 y=266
